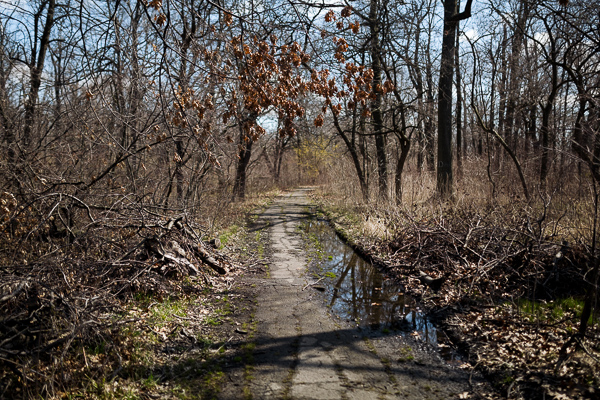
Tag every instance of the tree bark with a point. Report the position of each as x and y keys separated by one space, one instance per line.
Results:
x=36 y=69
x=429 y=127
x=404 y=144
x=376 y=105
x=244 y=154
x=459 y=101
x=444 y=153
x=444 y=165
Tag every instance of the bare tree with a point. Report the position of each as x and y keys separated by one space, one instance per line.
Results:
x=444 y=163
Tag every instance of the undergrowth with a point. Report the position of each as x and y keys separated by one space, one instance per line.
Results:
x=514 y=275
x=117 y=308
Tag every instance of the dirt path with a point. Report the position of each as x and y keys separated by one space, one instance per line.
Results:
x=301 y=352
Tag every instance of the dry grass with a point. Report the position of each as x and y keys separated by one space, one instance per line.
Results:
x=566 y=206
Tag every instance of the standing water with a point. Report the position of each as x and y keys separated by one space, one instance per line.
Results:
x=356 y=291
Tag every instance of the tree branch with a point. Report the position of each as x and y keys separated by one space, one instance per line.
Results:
x=506 y=147
x=463 y=15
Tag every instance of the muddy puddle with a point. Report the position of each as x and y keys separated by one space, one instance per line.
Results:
x=356 y=291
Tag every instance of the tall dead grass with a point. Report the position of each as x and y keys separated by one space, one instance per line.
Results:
x=563 y=211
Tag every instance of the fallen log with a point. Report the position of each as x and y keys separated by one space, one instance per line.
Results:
x=208 y=259
x=434 y=283
x=175 y=253
x=153 y=245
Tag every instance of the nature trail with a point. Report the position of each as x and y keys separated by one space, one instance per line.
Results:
x=302 y=352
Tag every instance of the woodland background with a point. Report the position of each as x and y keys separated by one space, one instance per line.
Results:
x=121 y=119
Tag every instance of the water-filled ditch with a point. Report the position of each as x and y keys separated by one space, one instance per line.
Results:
x=355 y=290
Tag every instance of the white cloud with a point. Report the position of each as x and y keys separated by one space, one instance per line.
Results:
x=541 y=37
x=470 y=34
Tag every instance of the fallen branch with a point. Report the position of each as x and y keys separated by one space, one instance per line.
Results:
x=313 y=283
x=208 y=259
x=14 y=293
x=434 y=283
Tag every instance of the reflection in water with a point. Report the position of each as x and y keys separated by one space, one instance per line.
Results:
x=360 y=293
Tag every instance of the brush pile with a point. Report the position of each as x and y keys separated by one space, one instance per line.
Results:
x=511 y=293
x=66 y=275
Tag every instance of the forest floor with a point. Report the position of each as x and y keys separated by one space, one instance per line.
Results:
x=169 y=317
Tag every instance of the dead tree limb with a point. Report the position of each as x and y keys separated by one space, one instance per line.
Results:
x=208 y=259
x=506 y=147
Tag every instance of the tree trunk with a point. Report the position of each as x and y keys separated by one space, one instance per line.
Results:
x=188 y=31
x=515 y=77
x=502 y=92
x=531 y=128
x=376 y=105
x=418 y=83
x=429 y=128
x=444 y=161
x=7 y=129
x=36 y=69
x=281 y=145
x=444 y=165
x=459 y=101
x=547 y=111
x=404 y=144
x=590 y=296
x=244 y=154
